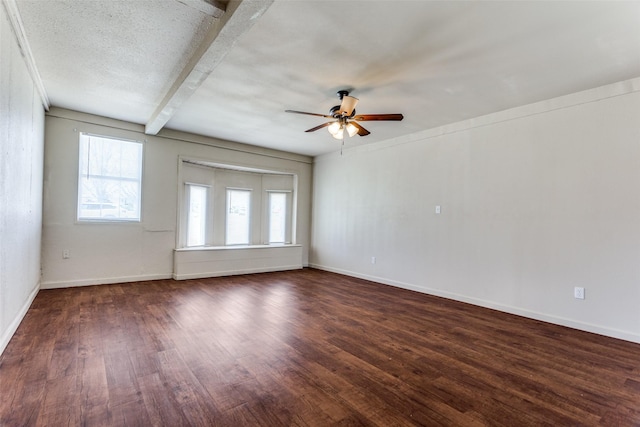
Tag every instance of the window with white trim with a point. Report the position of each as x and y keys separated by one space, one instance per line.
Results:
x=241 y=207
x=109 y=179
x=196 y=214
x=277 y=217
x=238 y=217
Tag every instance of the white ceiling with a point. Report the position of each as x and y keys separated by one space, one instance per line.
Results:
x=437 y=62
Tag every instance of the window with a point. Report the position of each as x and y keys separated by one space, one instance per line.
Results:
x=197 y=215
x=109 y=179
x=238 y=217
x=222 y=206
x=277 y=217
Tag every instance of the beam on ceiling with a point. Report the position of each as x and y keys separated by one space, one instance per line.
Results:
x=210 y=7
x=238 y=18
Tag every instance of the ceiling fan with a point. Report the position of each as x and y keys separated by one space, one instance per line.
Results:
x=346 y=118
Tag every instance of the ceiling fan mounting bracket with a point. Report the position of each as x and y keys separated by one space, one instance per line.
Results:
x=342 y=93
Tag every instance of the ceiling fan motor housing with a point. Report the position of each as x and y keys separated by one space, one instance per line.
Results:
x=335 y=112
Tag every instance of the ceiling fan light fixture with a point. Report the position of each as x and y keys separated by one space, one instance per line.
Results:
x=348 y=105
x=351 y=129
x=334 y=128
x=339 y=134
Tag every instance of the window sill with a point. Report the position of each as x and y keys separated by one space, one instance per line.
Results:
x=235 y=247
x=99 y=221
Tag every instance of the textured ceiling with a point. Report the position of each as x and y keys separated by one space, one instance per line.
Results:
x=435 y=62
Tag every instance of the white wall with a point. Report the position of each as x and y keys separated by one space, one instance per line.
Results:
x=21 y=151
x=120 y=252
x=534 y=201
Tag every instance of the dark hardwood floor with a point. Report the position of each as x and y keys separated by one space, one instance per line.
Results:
x=303 y=348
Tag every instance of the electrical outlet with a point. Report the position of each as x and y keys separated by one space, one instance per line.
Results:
x=578 y=292
x=66 y=254
x=438 y=209
x=373 y=260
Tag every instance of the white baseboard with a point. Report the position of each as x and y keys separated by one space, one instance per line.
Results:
x=557 y=320
x=102 y=281
x=13 y=327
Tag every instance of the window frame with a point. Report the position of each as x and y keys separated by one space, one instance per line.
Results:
x=189 y=186
x=220 y=176
x=287 y=217
x=82 y=162
x=249 y=215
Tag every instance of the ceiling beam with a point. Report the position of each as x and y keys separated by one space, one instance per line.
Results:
x=210 y=7
x=238 y=18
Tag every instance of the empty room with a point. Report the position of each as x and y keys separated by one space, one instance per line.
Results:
x=319 y=212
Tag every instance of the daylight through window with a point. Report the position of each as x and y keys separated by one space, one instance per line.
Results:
x=197 y=215
x=238 y=217
x=109 y=179
x=277 y=217
x=221 y=206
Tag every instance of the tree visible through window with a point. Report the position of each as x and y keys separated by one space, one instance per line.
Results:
x=109 y=179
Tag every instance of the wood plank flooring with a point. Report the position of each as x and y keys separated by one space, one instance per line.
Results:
x=303 y=348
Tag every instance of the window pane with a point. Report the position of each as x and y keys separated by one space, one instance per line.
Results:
x=109 y=179
x=238 y=213
x=197 y=215
x=277 y=217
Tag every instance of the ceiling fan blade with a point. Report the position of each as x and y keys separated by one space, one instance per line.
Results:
x=324 y=125
x=361 y=131
x=370 y=117
x=348 y=105
x=309 y=114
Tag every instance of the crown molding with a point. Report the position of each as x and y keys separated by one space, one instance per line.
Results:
x=13 y=13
